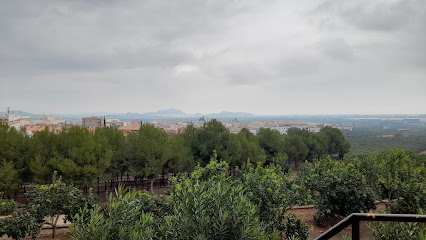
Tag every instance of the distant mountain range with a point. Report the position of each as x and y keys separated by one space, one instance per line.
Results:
x=171 y=113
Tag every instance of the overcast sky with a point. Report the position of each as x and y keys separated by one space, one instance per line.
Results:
x=263 y=57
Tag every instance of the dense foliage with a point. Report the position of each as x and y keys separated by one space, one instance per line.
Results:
x=397 y=176
x=8 y=207
x=339 y=188
x=268 y=188
x=46 y=204
x=208 y=202
x=401 y=231
x=122 y=218
x=374 y=138
x=213 y=210
x=82 y=156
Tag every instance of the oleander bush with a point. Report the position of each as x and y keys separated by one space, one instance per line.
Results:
x=213 y=210
x=121 y=219
x=400 y=231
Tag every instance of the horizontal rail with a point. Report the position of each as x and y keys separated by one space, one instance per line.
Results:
x=355 y=218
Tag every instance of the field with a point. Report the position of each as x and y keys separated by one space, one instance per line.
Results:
x=375 y=138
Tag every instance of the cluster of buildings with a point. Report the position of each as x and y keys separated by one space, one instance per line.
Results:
x=56 y=125
x=281 y=126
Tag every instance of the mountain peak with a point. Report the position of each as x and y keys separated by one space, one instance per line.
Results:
x=170 y=111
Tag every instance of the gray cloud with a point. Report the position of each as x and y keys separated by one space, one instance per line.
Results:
x=374 y=15
x=205 y=56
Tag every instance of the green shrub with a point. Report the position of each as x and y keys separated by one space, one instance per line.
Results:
x=398 y=176
x=8 y=207
x=160 y=206
x=20 y=225
x=412 y=197
x=295 y=228
x=213 y=210
x=121 y=219
x=339 y=188
x=267 y=188
x=48 y=202
x=400 y=231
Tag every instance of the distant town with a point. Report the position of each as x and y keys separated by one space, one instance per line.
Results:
x=32 y=125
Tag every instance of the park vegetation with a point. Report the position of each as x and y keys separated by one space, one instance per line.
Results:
x=226 y=186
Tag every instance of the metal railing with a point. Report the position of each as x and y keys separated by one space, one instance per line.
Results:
x=355 y=218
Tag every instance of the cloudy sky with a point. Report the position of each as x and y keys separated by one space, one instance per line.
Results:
x=263 y=57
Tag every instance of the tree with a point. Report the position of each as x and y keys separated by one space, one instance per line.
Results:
x=149 y=151
x=213 y=136
x=44 y=147
x=337 y=144
x=113 y=139
x=340 y=189
x=395 y=175
x=295 y=149
x=250 y=148
x=14 y=147
x=9 y=178
x=316 y=143
x=267 y=187
x=51 y=201
x=180 y=158
x=79 y=158
x=272 y=143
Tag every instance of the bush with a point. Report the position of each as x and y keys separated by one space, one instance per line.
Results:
x=213 y=210
x=159 y=206
x=20 y=225
x=121 y=219
x=400 y=231
x=51 y=201
x=398 y=176
x=412 y=197
x=267 y=188
x=295 y=228
x=340 y=189
x=8 y=207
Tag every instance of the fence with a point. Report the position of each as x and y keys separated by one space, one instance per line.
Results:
x=101 y=188
x=355 y=218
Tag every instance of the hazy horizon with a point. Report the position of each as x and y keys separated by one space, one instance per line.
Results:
x=95 y=113
x=266 y=58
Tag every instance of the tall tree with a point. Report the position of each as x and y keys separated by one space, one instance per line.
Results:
x=272 y=143
x=180 y=158
x=337 y=144
x=316 y=143
x=250 y=148
x=114 y=139
x=79 y=158
x=149 y=152
x=44 y=147
x=213 y=136
x=14 y=147
x=295 y=149
x=9 y=179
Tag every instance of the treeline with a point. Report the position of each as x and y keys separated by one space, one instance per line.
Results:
x=81 y=156
x=252 y=203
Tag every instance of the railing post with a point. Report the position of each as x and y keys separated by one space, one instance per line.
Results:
x=355 y=229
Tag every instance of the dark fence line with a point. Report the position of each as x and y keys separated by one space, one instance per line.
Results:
x=355 y=218
x=105 y=187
